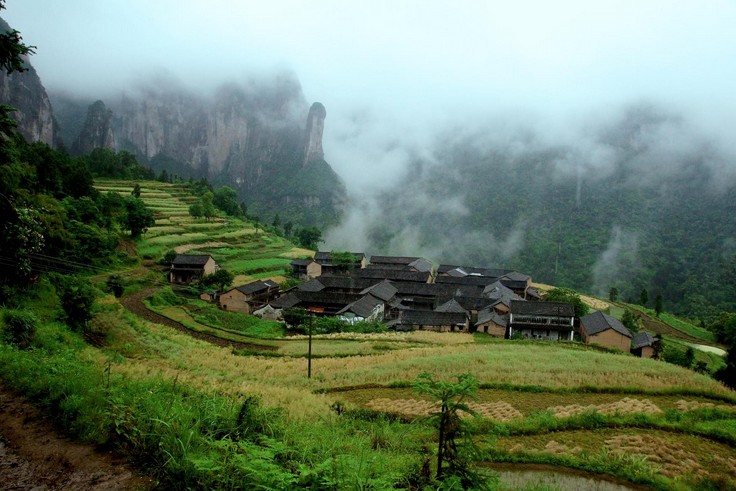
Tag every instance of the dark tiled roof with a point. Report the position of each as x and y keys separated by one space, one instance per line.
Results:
x=326 y=257
x=383 y=290
x=598 y=322
x=446 y=291
x=533 y=293
x=514 y=284
x=301 y=262
x=394 y=274
x=285 y=302
x=191 y=259
x=253 y=287
x=560 y=309
x=473 y=303
x=490 y=315
x=451 y=306
x=314 y=285
x=271 y=284
x=498 y=290
x=490 y=272
x=340 y=282
x=429 y=318
x=396 y=260
x=516 y=276
x=466 y=280
x=363 y=307
x=642 y=339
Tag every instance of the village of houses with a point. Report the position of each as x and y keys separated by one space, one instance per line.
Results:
x=408 y=293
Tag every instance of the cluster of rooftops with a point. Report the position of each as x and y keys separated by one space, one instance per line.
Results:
x=408 y=293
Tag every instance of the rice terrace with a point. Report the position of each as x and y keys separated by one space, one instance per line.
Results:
x=200 y=397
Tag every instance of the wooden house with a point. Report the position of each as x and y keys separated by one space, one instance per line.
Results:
x=542 y=320
x=249 y=297
x=190 y=268
x=602 y=329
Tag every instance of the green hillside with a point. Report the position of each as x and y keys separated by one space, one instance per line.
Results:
x=206 y=399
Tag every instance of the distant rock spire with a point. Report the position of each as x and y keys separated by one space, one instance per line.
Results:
x=315 y=128
x=97 y=131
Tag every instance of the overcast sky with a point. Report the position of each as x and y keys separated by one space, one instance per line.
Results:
x=405 y=65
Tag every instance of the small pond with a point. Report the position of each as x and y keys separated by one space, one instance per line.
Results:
x=522 y=476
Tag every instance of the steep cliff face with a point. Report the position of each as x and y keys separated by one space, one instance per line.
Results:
x=261 y=138
x=315 y=128
x=24 y=91
x=97 y=131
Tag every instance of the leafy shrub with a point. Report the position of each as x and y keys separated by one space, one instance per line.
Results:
x=20 y=328
x=165 y=297
x=76 y=296
x=115 y=285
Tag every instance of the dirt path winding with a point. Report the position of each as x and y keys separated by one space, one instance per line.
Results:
x=33 y=456
x=134 y=303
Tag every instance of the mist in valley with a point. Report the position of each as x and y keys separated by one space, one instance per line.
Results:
x=589 y=145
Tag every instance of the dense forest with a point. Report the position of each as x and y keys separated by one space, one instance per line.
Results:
x=631 y=213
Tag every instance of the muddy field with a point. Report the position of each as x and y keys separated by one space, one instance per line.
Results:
x=33 y=456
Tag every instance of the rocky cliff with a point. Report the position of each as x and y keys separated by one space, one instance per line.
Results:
x=260 y=137
x=24 y=91
x=97 y=131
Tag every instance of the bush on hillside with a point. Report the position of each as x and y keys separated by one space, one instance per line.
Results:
x=19 y=329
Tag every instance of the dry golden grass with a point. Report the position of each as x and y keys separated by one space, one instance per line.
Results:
x=190 y=247
x=428 y=337
x=684 y=405
x=594 y=303
x=674 y=455
x=499 y=411
x=297 y=252
x=624 y=406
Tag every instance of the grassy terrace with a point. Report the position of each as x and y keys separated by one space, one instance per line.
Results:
x=206 y=417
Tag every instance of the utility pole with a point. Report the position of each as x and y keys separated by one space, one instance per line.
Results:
x=309 y=351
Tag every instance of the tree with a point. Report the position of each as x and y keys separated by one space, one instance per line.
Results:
x=196 y=210
x=630 y=321
x=12 y=50
x=644 y=297
x=453 y=462
x=76 y=296
x=136 y=192
x=569 y=296
x=658 y=304
x=276 y=221
x=613 y=294
x=208 y=208
x=115 y=285
x=288 y=226
x=309 y=237
x=226 y=199
x=221 y=278
x=138 y=217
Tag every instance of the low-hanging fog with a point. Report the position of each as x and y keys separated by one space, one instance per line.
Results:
x=545 y=136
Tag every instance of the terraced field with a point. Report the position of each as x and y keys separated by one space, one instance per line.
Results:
x=237 y=245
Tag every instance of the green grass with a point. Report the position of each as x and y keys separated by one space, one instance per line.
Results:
x=249 y=325
x=677 y=323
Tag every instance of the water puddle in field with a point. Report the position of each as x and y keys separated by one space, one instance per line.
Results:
x=523 y=478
